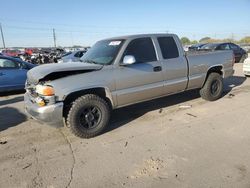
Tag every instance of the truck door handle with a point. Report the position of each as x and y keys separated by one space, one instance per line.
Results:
x=157 y=69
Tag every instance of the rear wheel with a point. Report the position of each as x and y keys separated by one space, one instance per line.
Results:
x=88 y=116
x=213 y=88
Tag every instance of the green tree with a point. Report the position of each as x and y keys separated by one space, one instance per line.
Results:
x=245 y=40
x=205 y=39
x=185 y=40
x=194 y=42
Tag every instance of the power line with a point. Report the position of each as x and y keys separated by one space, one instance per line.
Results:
x=99 y=29
x=111 y=26
x=79 y=26
x=60 y=35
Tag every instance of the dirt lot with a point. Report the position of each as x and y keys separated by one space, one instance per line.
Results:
x=177 y=141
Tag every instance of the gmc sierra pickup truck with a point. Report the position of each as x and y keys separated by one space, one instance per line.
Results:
x=117 y=72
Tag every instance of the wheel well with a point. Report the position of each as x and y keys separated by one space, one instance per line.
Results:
x=73 y=96
x=216 y=69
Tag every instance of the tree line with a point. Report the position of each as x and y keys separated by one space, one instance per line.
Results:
x=187 y=41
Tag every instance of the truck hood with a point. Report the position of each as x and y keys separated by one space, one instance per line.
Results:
x=58 y=70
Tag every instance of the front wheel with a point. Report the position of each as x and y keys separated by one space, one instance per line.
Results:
x=213 y=87
x=88 y=116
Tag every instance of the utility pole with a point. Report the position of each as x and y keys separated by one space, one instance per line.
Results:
x=2 y=35
x=232 y=37
x=54 y=36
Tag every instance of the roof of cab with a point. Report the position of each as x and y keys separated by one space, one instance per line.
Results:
x=140 y=36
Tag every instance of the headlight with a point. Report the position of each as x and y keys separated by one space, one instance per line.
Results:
x=40 y=101
x=45 y=90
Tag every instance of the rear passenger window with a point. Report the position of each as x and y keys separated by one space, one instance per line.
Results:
x=168 y=47
x=142 y=49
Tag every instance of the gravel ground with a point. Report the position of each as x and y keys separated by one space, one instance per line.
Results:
x=176 y=141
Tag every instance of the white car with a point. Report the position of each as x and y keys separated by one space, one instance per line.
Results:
x=72 y=56
x=246 y=67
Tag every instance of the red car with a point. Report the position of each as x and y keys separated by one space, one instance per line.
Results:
x=12 y=53
x=28 y=51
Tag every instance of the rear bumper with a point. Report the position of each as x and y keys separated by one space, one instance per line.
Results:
x=51 y=114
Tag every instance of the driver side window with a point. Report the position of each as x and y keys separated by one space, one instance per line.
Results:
x=9 y=64
x=142 y=49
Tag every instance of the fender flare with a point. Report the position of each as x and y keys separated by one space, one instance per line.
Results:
x=107 y=93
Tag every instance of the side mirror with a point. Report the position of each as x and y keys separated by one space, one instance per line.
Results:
x=128 y=60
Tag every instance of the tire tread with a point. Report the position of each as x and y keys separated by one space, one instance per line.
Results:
x=78 y=103
x=205 y=90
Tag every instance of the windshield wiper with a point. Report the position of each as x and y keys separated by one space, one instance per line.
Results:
x=89 y=61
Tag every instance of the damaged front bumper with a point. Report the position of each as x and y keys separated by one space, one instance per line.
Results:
x=51 y=114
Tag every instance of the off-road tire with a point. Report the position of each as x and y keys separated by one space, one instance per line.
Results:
x=75 y=112
x=206 y=91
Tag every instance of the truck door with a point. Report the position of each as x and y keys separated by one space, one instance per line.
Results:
x=175 y=67
x=142 y=80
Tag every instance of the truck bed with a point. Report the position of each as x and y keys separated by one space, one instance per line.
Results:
x=198 y=52
x=200 y=61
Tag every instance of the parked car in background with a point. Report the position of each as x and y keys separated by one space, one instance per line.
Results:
x=28 y=51
x=246 y=67
x=72 y=56
x=13 y=73
x=239 y=53
x=186 y=47
x=196 y=46
x=11 y=53
x=118 y=72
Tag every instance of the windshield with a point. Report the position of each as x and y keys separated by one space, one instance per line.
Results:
x=103 y=52
x=210 y=46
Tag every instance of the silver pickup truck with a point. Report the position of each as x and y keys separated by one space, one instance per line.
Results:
x=117 y=72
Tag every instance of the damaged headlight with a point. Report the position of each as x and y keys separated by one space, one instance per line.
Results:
x=45 y=90
x=40 y=101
